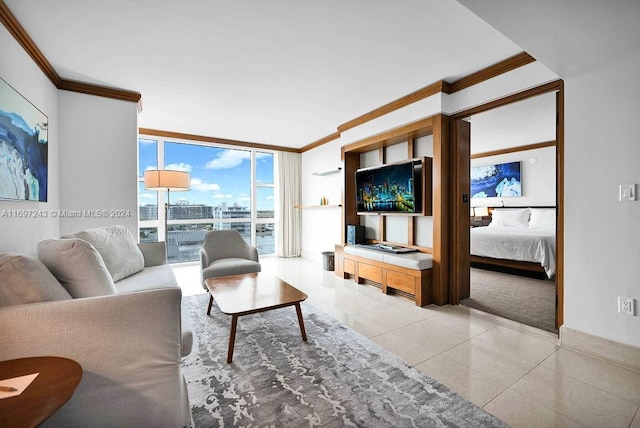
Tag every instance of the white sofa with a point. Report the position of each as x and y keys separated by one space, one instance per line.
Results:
x=129 y=342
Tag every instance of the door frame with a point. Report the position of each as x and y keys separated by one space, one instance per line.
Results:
x=460 y=172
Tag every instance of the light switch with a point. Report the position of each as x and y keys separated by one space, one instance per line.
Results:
x=627 y=192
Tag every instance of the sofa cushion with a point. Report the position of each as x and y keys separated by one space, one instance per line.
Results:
x=25 y=279
x=118 y=249
x=230 y=266
x=78 y=266
x=149 y=279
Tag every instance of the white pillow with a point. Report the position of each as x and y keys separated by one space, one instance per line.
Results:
x=510 y=218
x=543 y=217
x=118 y=249
x=78 y=267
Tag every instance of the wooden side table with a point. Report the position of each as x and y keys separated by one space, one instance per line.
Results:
x=57 y=380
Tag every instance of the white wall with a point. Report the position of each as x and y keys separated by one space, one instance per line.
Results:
x=19 y=71
x=538 y=179
x=98 y=161
x=602 y=235
x=321 y=227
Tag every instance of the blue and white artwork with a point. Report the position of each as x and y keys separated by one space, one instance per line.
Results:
x=501 y=180
x=23 y=147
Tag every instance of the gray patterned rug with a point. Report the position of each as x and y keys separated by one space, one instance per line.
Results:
x=338 y=378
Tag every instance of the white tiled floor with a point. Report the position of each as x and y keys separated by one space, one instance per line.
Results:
x=516 y=372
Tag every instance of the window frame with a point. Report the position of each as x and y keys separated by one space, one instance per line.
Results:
x=162 y=196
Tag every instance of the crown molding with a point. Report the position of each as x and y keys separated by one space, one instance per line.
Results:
x=18 y=32
x=321 y=141
x=515 y=149
x=492 y=71
x=399 y=103
x=214 y=140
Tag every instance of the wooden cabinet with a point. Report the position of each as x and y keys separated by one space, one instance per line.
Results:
x=390 y=277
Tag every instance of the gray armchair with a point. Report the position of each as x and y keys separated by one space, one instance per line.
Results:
x=224 y=253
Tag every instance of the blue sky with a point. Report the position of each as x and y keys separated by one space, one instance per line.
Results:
x=217 y=175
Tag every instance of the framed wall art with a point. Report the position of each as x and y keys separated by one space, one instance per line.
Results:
x=23 y=148
x=499 y=180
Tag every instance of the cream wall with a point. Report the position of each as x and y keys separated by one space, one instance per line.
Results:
x=98 y=161
x=19 y=71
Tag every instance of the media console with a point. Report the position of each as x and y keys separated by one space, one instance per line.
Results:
x=409 y=272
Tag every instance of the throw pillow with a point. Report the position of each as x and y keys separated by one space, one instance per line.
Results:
x=24 y=279
x=78 y=267
x=118 y=249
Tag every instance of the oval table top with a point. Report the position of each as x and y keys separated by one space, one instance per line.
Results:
x=55 y=384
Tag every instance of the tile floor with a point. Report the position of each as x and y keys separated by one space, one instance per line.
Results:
x=516 y=372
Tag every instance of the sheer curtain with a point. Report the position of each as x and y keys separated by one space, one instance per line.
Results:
x=288 y=190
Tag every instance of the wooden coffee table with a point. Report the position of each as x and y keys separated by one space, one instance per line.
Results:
x=251 y=293
x=57 y=380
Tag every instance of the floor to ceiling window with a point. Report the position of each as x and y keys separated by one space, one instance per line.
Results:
x=231 y=188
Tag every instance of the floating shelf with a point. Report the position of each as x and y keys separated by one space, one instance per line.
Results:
x=328 y=172
x=317 y=206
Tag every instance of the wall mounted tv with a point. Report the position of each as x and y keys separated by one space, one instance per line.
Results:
x=394 y=188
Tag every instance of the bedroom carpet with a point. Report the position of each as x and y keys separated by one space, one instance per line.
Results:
x=526 y=300
x=338 y=378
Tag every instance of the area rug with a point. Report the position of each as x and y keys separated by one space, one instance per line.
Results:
x=525 y=300
x=338 y=378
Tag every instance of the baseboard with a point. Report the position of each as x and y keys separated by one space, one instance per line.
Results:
x=309 y=255
x=624 y=355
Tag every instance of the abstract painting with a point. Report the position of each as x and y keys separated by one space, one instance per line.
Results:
x=23 y=147
x=500 y=180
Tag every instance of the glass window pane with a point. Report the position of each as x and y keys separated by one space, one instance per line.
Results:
x=265 y=238
x=148 y=234
x=184 y=240
x=147 y=155
x=147 y=203
x=265 y=202
x=264 y=168
x=220 y=181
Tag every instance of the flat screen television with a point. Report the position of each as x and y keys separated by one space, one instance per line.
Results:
x=391 y=188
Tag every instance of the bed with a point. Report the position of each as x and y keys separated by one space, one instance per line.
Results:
x=521 y=239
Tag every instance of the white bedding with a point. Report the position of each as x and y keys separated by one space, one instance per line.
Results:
x=525 y=244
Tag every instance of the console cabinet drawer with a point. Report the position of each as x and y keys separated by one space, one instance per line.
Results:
x=373 y=273
x=401 y=281
x=349 y=266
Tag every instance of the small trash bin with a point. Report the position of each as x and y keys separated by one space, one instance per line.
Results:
x=328 y=260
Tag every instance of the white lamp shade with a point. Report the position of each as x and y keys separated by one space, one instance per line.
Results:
x=165 y=179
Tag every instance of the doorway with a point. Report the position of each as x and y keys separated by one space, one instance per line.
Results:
x=510 y=131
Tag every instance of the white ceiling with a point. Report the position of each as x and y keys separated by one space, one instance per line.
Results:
x=570 y=37
x=282 y=72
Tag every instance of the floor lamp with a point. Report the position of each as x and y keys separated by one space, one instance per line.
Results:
x=171 y=181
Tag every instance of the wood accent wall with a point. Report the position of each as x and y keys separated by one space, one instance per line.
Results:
x=437 y=125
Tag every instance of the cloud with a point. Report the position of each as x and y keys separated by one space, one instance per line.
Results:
x=228 y=159
x=179 y=167
x=245 y=199
x=221 y=196
x=151 y=168
x=270 y=198
x=198 y=184
x=149 y=195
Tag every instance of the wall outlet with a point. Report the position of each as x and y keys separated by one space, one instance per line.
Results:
x=626 y=305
